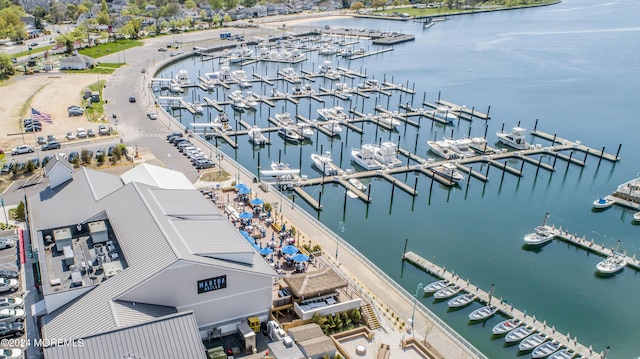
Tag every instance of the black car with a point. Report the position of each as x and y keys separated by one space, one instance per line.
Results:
x=6 y=273
x=51 y=145
x=132 y=99
x=73 y=155
x=46 y=159
x=173 y=134
x=110 y=150
x=11 y=329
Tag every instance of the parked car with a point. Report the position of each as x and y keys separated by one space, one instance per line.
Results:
x=6 y=273
x=11 y=329
x=11 y=315
x=51 y=138
x=7 y=167
x=70 y=136
x=73 y=155
x=7 y=242
x=110 y=150
x=152 y=116
x=143 y=70
x=132 y=99
x=30 y=121
x=33 y=128
x=174 y=134
x=22 y=149
x=52 y=145
x=204 y=163
x=99 y=152
x=81 y=133
x=11 y=353
x=41 y=140
x=76 y=112
x=35 y=161
x=91 y=132
x=10 y=303
x=46 y=159
x=162 y=49
x=8 y=285
x=103 y=130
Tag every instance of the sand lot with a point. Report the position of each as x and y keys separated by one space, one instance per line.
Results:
x=51 y=93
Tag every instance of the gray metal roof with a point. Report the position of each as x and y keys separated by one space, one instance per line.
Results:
x=157 y=177
x=130 y=313
x=175 y=223
x=174 y=336
x=57 y=160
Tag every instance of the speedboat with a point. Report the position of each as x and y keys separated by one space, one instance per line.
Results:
x=565 y=353
x=256 y=136
x=506 y=326
x=182 y=78
x=478 y=144
x=238 y=105
x=357 y=184
x=445 y=113
x=386 y=154
x=284 y=118
x=603 y=203
x=436 y=286
x=333 y=113
x=448 y=171
x=463 y=147
x=443 y=149
x=518 y=334
x=532 y=341
x=289 y=134
x=612 y=264
x=304 y=130
x=343 y=89
x=325 y=164
x=290 y=74
x=371 y=84
x=333 y=126
x=514 y=139
x=240 y=75
x=636 y=216
x=447 y=292
x=541 y=236
x=388 y=119
x=365 y=157
x=545 y=349
x=483 y=313
x=461 y=300
x=221 y=120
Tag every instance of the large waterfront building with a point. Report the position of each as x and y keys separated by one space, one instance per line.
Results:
x=138 y=263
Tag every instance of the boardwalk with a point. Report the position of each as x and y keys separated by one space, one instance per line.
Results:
x=506 y=309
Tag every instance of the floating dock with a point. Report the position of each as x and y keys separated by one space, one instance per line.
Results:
x=504 y=308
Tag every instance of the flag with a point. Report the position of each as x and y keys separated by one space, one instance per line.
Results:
x=41 y=116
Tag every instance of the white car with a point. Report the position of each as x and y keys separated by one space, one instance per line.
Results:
x=11 y=315
x=81 y=133
x=22 y=149
x=10 y=303
x=7 y=242
x=71 y=136
x=10 y=353
x=7 y=285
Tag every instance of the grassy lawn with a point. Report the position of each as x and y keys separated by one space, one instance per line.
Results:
x=35 y=50
x=445 y=10
x=102 y=69
x=109 y=48
x=95 y=112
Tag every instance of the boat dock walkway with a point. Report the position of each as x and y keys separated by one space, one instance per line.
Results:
x=505 y=309
x=370 y=53
x=463 y=110
x=577 y=146
x=590 y=246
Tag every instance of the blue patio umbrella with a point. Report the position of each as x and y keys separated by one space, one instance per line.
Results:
x=245 y=190
x=266 y=251
x=245 y=215
x=289 y=250
x=257 y=202
x=240 y=186
x=300 y=258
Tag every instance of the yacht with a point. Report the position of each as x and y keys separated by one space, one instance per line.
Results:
x=305 y=90
x=612 y=264
x=222 y=120
x=175 y=88
x=332 y=126
x=478 y=144
x=333 y=113
x=443 y=149
x=365 y=157
x=237 y=104
x=290 y=74
x=343 y=89
x=289 y=134
x=370 y=85
x=387 y=119
x=197 y=108
x=461 y=300
x=506 y=326
x=636 y=217
x=463 y=147
x=284 y=118
x=445 y=113
x=182 y=78
x=257 y=137
x=304 y=130
x=448 y=171
x=329 y=50
x=386 y=154
x=483 y=313
x=515 y=138
x=211 y=79
x=325 y=164
x=240 y=75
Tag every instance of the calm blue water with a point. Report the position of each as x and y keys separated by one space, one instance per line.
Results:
x=575 y=67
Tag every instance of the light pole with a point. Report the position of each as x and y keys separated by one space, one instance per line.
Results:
x=341 y=228
x=6 y=220
x=415 y=300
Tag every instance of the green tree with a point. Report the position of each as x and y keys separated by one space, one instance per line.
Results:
x=85 y=156
x=216 y=19
x=10 y=24
x=6 y=66
x=190 y=4
x=357 y=5
x=30 y=167
x=132 y=28
x=249 y=3
x=103 y=18
x=104 y=7
x=57 y=12
x=215 y=4
x=226 y=18
x=21 y=212
x=71 y=12
x=101 y=158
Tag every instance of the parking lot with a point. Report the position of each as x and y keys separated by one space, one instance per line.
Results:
x=9 y=259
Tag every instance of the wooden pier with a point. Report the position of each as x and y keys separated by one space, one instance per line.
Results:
x=469 y=112
x=505 y=309
x=370 y=53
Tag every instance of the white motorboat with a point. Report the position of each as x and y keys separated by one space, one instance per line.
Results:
x=365 y=157
x=436 y=286
x=532 y=341
x=222 y=120
x=447 y=292
x=518 y=334
x=636 y=216
x=483 y=313
x=461 y=300
x=445 y=113
x=386 y=154
x=603 y=203
x=176 y=88
x=565 y=353
x=211 y=79
x=325 y=164
x=304 y=130
x=257 y=137
x=343 y=89
x=371 y=84
x=612 y=264
x=182 y=78
x=478 y=144
x=198 y=109
x=541 y=236
x=357 y=184
x=238 y=105
x=515 y=138
x=290 y=74
x=443 y=149
x=304 y=90
x=506 y=326
x=463 y=147
x=334 y=113
x=545 y=349
x=284 y=118
x=289 y=134
x=448 y=171
x=333 y=126
x=240 y=75
x=387 y=118
x=329 y=50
